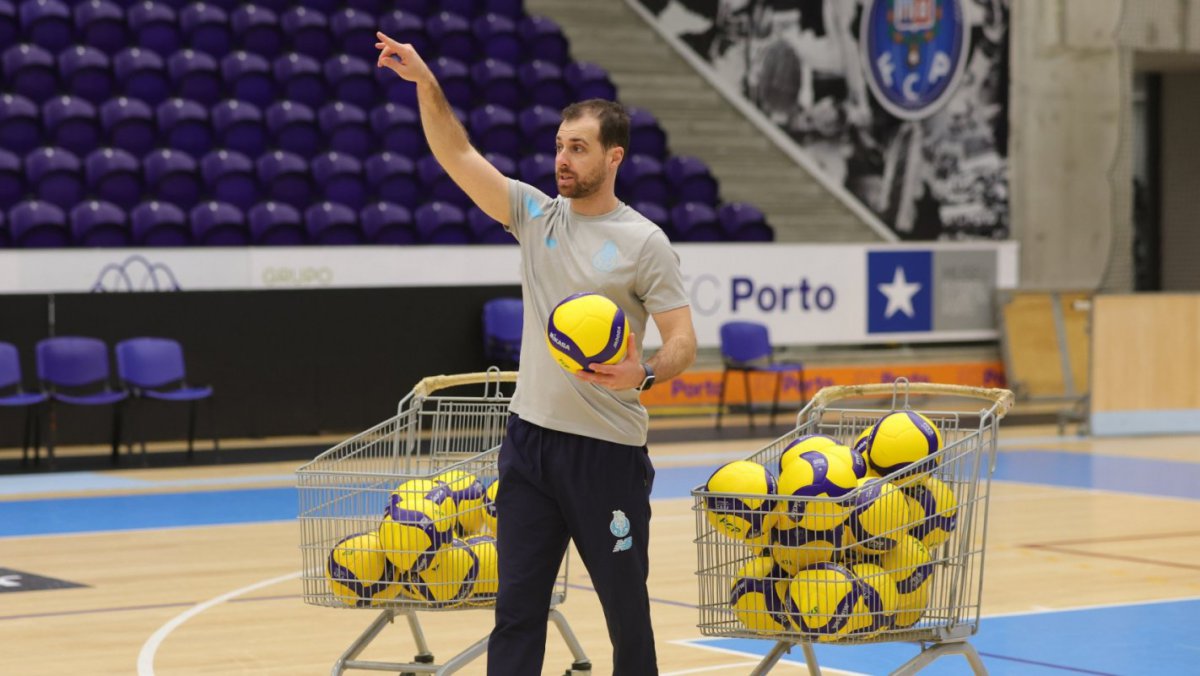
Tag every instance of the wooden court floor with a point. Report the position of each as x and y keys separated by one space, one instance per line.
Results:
x=224 y=599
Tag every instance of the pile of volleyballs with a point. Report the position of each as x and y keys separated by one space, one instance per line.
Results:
x=854 y=555
x=434 y=545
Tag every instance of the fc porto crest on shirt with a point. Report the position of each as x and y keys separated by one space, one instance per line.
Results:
x=913 y=53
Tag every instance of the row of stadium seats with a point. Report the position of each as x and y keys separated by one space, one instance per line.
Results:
x=207 y=27
x=38 y=224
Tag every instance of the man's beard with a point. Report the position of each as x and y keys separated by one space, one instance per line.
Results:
x=582 y=187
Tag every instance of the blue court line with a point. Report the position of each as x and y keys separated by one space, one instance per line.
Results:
x=19 y=484
x=1155 y=638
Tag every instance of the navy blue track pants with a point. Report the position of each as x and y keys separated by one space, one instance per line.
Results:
x=556 y=486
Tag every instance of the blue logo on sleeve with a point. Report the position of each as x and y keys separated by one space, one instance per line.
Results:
x=532 y=207
x=913 y=52
x=899 y=291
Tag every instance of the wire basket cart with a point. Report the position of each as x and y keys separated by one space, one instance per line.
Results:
x=895 y=559
x=399 y=518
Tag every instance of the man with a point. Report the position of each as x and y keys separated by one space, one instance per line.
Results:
x=573 y=464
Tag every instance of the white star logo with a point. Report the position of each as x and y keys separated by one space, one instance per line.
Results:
x=899 y=294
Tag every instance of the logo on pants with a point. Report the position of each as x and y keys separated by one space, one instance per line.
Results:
x=619 y=527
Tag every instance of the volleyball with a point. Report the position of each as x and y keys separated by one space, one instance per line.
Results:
x=814 y=474
x=876 y=607
x=797 y=548
x=878 y=515
x=808 y=442
x=449 y=578
x=933 y=510
x=821 y=598
x=860 y=446
x=901 y=439
x=489 y=505
x=910 y=566
x=850 y=457
x=487 y=581
x=414 y=526
x=357 y=570
x=586 y=328
x=757 y=596
x=466 y=499
x=742 y=518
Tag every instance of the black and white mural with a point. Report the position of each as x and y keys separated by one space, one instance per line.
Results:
x=902 y=102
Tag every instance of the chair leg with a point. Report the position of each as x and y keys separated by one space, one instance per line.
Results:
x=212 y=421
x=775 y=400
x=749 y=399
x=51 y=435
x=721 y=396
x=27 y=432
x=116 y=432
x=191 y=427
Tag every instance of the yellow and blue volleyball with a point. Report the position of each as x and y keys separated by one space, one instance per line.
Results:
x=821 y=599
x=877 y=605
x=910 y=565
x=449 y=578
x=487 y=580
x=796 y=548
x=584 y=329
x=758 y=596
x=808 y=442
x=466 y=499
x=814 y=474
x=933 y=511
x=357 y=570
x=414 y=526
x=878 y=516
x=849 y=456
x=489 y=505
x=899 y=440
x=747 y=513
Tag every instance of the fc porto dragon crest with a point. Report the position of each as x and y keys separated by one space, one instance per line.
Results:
x=914 y=52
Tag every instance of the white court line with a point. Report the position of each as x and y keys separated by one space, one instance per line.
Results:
x=785 y=660
x=719 y=667
x=150 y=647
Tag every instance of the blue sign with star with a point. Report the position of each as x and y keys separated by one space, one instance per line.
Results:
x=899 y=291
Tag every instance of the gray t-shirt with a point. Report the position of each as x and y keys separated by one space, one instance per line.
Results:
x=620 y=254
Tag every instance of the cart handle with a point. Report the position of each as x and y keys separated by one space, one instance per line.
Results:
x=1003 y=399
x=432 y=384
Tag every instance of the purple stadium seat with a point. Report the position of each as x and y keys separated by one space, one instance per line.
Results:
x=294 y=128
x=195 y=75
x=494 y=130
x=308 y=32
x=115 y=176
x=205 y=28
x=326 y=7
x=128 y=124
x=393 y=178
x=46 y=23
x=388 y=223
x=442 y=223
x=691 y=180
x=141 y=74
x=5 y=237
x=406 y=26
x=86 y=73
x=496 y=36
x=55 y=175
x=277 y=6
x=645 y=135
x=276 y=224
x=538 y=170
x=486 y=230
x=354 y=33
x=71 y=123
x=159 y=224
x=33 y=224
x=370 y=7
x=29 y=71
x=339 y=179
x=218 y=224
x=513 y=9
x=352 y=79
x=12 y=180
x=544 y=84
x=332 y=224
x=284 y=177
x=20 y=124
x=345 y=128
x=184 y=125
x=452 y=37
x=238 y=125
x=496 y=83
x=543 y=40
x=697 y=222
x=247 y=77
x=438 y=185
x=9 y=27
x=656 y=214
x=463 y=8
x=398 y=129
x=99 y=224
x=300 y=79
x=745 y=223
x=173 y=176
x=455 y=79
x=641 y=179
x=101 y=24
x=230 y=177
x=256 y=29
x=503 y=163
x=154 y=27
x=589 y=81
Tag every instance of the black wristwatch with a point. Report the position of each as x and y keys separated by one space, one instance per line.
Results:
x=648 y=381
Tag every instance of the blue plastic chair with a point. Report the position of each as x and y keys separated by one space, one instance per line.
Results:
x=152 y=369
x=14 y=396
x=502 y=325
x=746 y=347
x=74 y=370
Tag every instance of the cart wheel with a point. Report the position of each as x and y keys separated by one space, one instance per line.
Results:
x=580 y=669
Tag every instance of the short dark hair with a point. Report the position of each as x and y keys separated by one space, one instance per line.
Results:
x=614 y=120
